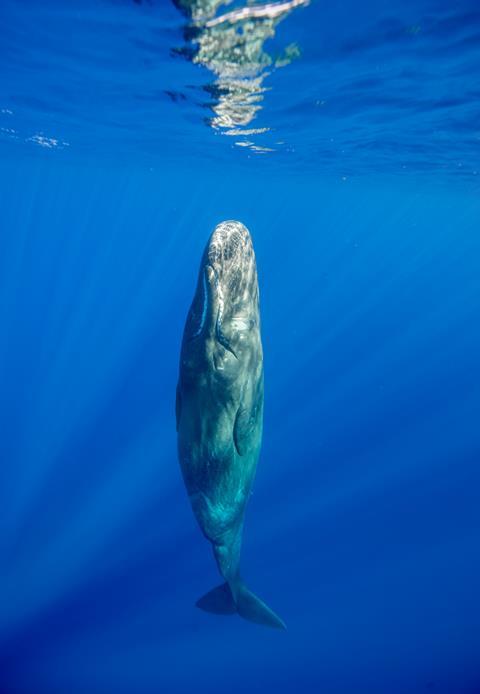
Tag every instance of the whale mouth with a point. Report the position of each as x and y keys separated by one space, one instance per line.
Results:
x=216 y=286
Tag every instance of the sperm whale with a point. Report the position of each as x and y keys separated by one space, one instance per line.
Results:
x=219 y=410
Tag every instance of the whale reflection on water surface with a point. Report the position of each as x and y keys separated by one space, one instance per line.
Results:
x=231 y=46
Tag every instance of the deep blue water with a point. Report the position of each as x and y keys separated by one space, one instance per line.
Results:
x=118 y=157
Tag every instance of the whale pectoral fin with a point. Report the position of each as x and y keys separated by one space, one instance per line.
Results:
x=178 y=406
x=242 y=430
x=248 y=421
x=219 y=600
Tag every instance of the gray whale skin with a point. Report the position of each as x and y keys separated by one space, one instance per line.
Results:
x=219 y=410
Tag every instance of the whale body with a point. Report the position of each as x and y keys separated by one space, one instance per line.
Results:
x=219 y=410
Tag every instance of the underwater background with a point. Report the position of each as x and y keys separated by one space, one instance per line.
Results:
x=346 y=136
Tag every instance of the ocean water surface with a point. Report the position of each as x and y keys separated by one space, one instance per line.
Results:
x=346 y=137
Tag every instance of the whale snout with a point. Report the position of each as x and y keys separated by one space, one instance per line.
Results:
x=232 y=288
x=225 y=304
x=230 y=248
x=230 y=263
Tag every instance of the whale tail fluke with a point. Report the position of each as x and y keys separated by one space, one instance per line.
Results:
x=221 y=600
x=250 y=607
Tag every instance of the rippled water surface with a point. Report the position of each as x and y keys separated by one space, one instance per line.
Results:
x=346 y=87
x=346 y=136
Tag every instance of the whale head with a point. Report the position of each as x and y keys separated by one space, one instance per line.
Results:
x=223 y=324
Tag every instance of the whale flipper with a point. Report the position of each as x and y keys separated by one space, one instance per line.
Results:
x=220 y=600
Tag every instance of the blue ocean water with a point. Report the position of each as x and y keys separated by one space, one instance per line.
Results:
x=346 y=137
